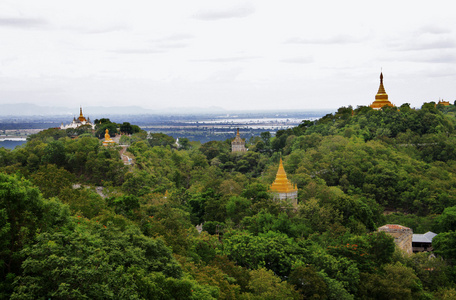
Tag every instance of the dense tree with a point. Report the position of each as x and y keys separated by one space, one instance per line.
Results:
x=160 y=139
x=23 y=212
x=103 y=266
x=356 y=169
x=396 y=282
x=447 y=220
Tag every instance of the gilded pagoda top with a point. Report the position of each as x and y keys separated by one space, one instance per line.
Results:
x=281 y=184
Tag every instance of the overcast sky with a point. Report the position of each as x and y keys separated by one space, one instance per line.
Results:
x=230 y=54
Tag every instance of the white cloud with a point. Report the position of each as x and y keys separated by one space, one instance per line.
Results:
x=22 y=22
x=227 y=53
x=298 y=60
x=338 y=39
x=240 y=11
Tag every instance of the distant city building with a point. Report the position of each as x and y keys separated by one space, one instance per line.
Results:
x=81 y=121
x=402 y=236
x=423 y=242
x=238 y=144
x=381 y=99
x=282 y=188
x=108 y=141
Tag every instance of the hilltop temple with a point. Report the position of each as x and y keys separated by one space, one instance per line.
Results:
x=81 y=121
x=238 y=144
x=444 y=103
x=381 y=99
x=282 y=188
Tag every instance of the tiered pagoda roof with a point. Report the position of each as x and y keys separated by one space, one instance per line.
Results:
x=281 y=184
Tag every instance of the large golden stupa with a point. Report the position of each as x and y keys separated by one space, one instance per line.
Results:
x=282 y=188
x=381 y=99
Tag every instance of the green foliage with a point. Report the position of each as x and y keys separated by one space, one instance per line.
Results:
x=308 y=282
x=52 y=180
x=44 y=135
x=395 y=282
x=264 y=284
x=107 y=263
x=445 y=245
x=433 y=272
x=272 y=250
x=419 y=224
x=237 y=208
x=82 y=201
x=127 y=128
x=124 y=205
x=160 y=139
x=103 y=124
x=447 y=220
x=23 y=212
x=355 y=169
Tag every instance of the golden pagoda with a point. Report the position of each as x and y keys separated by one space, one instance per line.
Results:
x=81 y=116
x=381 y=99
x=238 y=144
x=282 y=188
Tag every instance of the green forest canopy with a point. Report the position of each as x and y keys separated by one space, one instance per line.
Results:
x=75 y=222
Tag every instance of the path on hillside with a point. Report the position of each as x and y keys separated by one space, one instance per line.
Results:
x=125 y=158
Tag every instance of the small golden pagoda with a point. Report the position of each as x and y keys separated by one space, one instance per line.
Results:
x=238 y=144
x=381 y=99
x=282 y=188
x=108 y=141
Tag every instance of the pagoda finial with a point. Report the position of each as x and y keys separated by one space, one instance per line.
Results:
x=381 y=88
x=237 y=132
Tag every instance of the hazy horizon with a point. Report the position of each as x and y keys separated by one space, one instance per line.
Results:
x=29 y=109
x=237 y=55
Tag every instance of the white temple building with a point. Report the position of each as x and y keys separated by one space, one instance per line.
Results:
x=78 y=122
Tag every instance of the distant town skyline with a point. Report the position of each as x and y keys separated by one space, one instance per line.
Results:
x=237 y=55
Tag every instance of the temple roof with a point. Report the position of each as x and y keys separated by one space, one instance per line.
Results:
x=281 y=184
x=423 y=238
x=393 y=227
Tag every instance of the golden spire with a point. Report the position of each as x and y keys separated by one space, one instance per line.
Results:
x=81 y=117
x=381 y=99
x=281 y=184
x=381 y=88
x=237 y=134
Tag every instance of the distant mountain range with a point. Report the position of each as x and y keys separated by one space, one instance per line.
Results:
x=94 y=112
x=27 y=109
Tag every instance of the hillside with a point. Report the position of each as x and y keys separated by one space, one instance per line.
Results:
x=355 y=170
